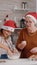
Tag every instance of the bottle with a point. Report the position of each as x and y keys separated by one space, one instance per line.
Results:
x=24 y=5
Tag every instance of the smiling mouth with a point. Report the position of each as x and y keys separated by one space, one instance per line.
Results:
x=28 y=26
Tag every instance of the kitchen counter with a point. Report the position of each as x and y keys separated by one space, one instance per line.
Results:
x=18 y=62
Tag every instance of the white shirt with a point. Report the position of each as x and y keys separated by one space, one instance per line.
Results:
x=7 y=43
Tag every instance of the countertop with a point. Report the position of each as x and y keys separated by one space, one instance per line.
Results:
x=18 y=62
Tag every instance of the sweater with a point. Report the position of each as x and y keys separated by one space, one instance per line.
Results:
x=31 y=43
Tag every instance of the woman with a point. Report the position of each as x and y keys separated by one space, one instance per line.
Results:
x=27 y=41
x=6 y=46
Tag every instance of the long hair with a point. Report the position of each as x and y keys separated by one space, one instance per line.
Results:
x=1 y=31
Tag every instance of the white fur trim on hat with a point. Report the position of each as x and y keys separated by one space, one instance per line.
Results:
x=7 y=28
x=32 y=17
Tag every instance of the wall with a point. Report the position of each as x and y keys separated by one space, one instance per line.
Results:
x=6 y=7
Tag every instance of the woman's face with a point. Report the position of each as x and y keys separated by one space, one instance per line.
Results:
x=29 y=23
x=6 y=33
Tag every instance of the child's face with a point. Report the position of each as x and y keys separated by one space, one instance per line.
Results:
x=6 y=33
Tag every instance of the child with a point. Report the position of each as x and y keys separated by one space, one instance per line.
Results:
x=6 y=46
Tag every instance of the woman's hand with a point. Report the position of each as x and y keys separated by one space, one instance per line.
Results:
x=22 y=45
x=33 y=57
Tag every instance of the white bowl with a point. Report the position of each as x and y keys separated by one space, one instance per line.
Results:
x=14 y=56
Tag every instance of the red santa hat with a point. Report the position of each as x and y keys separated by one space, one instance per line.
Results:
x=9 y=25
x=32 y=15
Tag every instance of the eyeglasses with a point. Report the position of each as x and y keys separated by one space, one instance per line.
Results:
x=28 y=22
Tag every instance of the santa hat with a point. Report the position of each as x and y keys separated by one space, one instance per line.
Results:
x=9 y=25
x=32 y=15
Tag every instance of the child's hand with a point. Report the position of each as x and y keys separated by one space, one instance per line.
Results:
x=9 y=52
x=15 y=51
